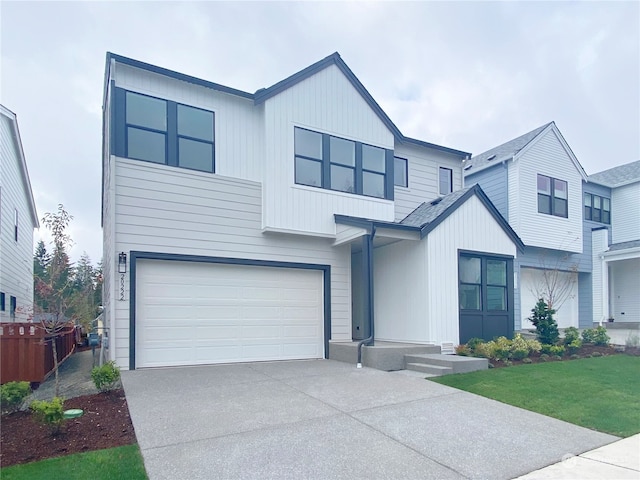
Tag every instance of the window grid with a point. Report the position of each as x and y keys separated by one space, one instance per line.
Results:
x=597 y=208
x=330 y=164
x=553 y=196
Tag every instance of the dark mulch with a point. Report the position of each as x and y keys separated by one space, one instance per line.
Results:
x=585 y=352
x=105 y=424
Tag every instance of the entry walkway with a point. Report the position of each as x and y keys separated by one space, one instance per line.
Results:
x=327 y=419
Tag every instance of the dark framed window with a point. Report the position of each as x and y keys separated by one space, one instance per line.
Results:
x=162 y=131
x=334 y=163
x=483 y=283
x=15 y=225
x=400 y=172
x=597 y=208
x=13 y=306
x=445 y=180
x=553 y=195
x=2 y=302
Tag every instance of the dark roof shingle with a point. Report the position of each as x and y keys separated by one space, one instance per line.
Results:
x=617 y=176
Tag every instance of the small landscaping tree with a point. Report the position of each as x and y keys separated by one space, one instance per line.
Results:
x=546 y=326
x=50 y=413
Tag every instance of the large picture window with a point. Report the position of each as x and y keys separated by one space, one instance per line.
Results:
x=552 y=196
x=597 y=208
x=334 y=163
x=162 y=131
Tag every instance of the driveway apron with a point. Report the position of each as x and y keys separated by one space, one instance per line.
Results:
x=325 y=419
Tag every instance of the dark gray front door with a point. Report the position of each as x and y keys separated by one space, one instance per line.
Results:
x=485 y=290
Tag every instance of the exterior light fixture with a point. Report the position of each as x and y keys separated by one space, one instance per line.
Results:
x=122 y=263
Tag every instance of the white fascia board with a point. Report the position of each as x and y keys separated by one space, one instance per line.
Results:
x=625 y=254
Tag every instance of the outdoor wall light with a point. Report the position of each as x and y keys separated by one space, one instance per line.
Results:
x=122 y=263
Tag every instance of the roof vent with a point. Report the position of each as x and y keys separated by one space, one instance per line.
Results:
x=436 y=201
x=491 y=158
x=468 y=167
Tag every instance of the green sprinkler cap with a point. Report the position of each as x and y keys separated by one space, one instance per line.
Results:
x=73 y=413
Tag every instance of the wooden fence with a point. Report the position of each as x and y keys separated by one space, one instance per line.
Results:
x=26 y=351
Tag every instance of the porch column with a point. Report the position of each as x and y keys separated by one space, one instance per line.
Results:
x=599 y=275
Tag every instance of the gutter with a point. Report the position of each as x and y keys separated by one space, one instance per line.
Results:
x=370 y=339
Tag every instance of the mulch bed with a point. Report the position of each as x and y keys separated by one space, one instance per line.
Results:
x=585 y=352
x=105 y=424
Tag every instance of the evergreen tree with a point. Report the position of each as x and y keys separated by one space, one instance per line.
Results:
x=546 y=326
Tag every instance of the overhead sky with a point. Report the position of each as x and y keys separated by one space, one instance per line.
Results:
x=467 y=75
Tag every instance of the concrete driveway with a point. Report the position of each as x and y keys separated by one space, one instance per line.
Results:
x=325 y=419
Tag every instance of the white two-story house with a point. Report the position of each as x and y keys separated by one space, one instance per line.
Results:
x=262 y=226
x=18 y=218
x=612 y=209
x=535 y=181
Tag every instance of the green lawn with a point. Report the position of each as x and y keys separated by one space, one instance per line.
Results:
x=112 y=463
x=598 y=393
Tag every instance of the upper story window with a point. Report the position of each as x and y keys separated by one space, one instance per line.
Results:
x=13 y=306
x=597 y=208
x=15 y=225
x=445 y=180
x=552 y=196
x=2 y=301
x=334 y=163
x=400 y=172
x=163 y=131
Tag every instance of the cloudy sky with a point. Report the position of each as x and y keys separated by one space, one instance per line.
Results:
x=467 y=75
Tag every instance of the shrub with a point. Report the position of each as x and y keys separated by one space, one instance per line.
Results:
x=486 y=349
x=574 y=346
x=502 y=349
x=546 y=326
x=544 y=357
x=534 y=345
x=519 y=347
x=571 y=334
x=106 y=377
x=527 y=360
x=552 y=350
x=557 y=357
x=588 y=335
x=463 y=350
x=600 y=336
x=50 y=413
x=13 y=395
x=474 y=342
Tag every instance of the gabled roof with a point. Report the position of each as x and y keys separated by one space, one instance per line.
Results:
x=22 y=163
x=503 y=152
x=264 y=94
x=618 y=176
x=428 y=215
x=509 y=151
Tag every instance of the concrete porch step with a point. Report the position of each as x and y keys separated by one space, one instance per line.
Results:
x=432 y=370
x=455 y=363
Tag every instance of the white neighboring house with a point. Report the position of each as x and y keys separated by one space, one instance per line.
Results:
x=616 y=252
x=535 y=181
x=245 y=226
x=18 y=218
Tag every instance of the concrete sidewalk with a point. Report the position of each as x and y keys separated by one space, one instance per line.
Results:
x=326 y=419
x=619 y=460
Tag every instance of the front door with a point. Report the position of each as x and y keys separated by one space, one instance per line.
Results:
x=485 y=289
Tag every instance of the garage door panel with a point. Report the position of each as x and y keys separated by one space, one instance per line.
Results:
x=194 y=313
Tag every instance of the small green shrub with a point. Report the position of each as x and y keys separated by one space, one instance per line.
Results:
x=106 y=377
x=527 y=360
x=571 y=334
x=542 y=319
x=473 y=343
x=463 y=350
x=534 y=345
x=50 y=413
x=600 y=337
x=13 y=395
x=502 y=349
x=574 y=346
x=544 y=357
x=588 y=335
x=519 y=347
x=553 y=349
x=486 y=349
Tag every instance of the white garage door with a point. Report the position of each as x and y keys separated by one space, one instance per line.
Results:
x=191 y=313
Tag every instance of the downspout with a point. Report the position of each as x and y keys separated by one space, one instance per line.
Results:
x=370 y=339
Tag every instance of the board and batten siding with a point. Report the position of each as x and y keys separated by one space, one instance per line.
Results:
x=328 y=103
x=16 y=258
x=416 y=283
x=172 y=210
x=494 y=182
x=625 y=214
x=545 y=156
x=239 y=128
x=423 y=174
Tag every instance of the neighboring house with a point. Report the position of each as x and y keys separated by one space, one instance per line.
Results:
x=612 y=197
x=263 y=226
x=18 y=218
x=535 y=181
